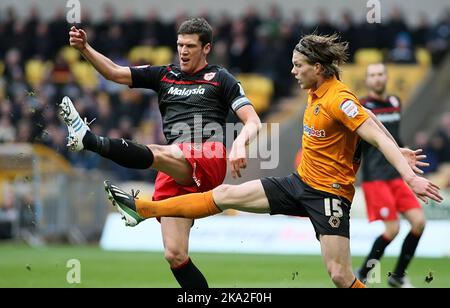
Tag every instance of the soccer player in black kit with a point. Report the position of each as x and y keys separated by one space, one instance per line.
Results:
x=385 y=192
x=194 y=99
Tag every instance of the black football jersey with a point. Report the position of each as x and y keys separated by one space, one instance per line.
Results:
x=194 y=107
x=375 y=167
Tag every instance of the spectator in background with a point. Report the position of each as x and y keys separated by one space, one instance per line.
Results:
x=241 y=59
x=6 y=28
x=33 y=20
x=54 y=136
x=21 y=39
x=131 y=27
x=420 y=33
x=7 y=130
x=323 y=23
x=61 y=73
x=273 y=21
x=282 y=49
x=439 y=39
x=58 y=27
x=264 y=53
x=220 y=53
x=403 y=51
x=152 y=29
x=394 y=27
x=348 y=32
x=17 y=88
x=7 y=121
x=115 y=43
x=13 y=65
x=104 y=114
x=298 y=26
x=24 y=131
x=222 y=30
x=42 y=42
x=370 y=35
x=252 y=20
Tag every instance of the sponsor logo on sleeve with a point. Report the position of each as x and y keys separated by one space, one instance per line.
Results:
x=349 y=108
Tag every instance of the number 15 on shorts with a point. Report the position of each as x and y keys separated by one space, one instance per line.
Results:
x=333 y=207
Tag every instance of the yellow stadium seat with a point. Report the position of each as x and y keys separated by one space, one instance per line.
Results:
x=85 y=74
x=368 y=55
x=138 y=54
x=258 y=89
x=162 y=56
x=70 y=54
x=2 y=67
x=35 y=71
x=423 y=56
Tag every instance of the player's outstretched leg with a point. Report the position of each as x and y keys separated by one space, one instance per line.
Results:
x=134 y=210
x=247 y=197
x=124 y=152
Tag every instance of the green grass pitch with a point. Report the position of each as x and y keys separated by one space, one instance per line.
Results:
x=22 y=266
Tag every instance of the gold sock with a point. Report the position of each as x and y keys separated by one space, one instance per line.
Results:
x=196 y=205
x=357 y=284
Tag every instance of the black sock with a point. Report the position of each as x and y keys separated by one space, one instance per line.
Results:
x=189 y=276
x=408 y=249
x=376 y=253
x=123 y=152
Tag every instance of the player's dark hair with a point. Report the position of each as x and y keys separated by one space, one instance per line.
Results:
x=326 y=50
x=197 y=25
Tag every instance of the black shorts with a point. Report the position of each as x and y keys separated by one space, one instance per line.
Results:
x=329 y=214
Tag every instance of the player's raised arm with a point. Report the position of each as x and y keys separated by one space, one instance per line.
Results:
x=106 y=67
x=424 y=189
x=252 y=125
x=380 y=125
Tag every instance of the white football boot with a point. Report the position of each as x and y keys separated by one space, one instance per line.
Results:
x=76 y=126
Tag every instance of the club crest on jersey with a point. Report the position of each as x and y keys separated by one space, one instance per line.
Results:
x=349 y=108
x=394 y=101
x=209 y=76
x=317 y=110
x=384 y=212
